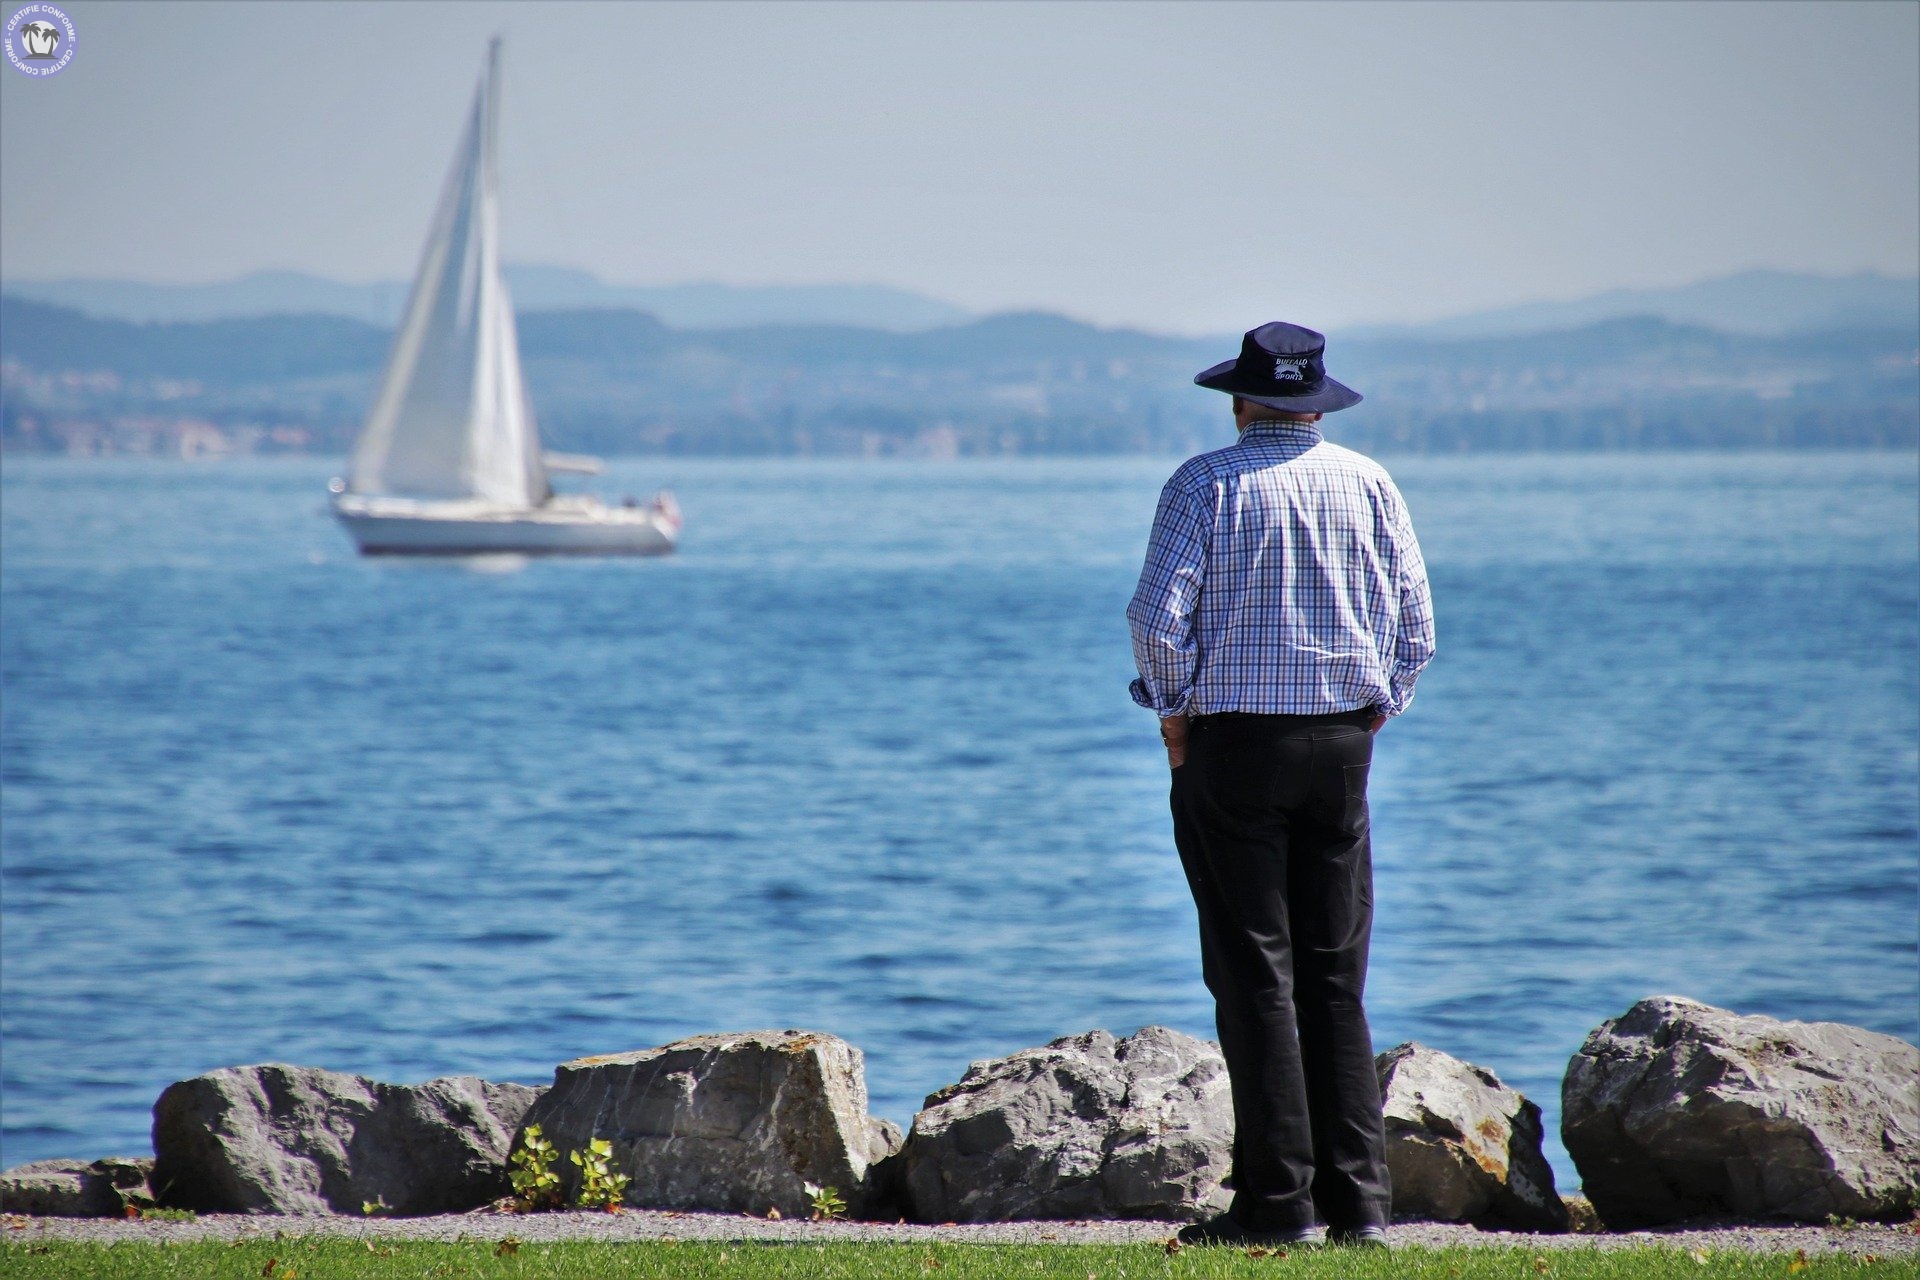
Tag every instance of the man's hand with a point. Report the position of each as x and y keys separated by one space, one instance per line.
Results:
x=1379 y=723
x=1173 y=732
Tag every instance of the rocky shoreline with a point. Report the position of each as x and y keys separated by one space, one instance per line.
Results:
x=1676 y=1113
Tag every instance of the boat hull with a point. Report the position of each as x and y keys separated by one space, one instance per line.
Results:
x=457 y=530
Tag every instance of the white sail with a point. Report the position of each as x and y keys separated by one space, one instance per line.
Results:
x=453 y=419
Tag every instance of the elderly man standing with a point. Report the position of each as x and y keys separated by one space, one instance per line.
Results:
x=1281 y=620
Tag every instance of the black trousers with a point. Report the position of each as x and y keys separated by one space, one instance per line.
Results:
x=1270 y=816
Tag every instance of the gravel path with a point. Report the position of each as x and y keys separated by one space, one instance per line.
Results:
x=640 y=1224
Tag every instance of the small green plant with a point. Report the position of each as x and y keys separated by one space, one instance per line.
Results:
x=600 y=1186
x=377 y=1207
x=535 y=1184
x=827 y=1204
x=154 y=1214
x=129 y=1187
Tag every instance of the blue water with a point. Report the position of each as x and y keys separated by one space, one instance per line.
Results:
x=860 y=758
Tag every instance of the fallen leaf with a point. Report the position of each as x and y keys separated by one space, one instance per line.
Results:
x=773 y=1214
x=1540 y=1265
x=507 y=1247
x=271 y=1264
x=1797 y=1263
x=1171 y=1244
x=1701 y=1256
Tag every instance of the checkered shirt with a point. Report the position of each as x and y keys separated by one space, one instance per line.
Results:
x=1282 y=577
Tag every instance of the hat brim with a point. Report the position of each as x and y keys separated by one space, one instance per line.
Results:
x=1328 y=397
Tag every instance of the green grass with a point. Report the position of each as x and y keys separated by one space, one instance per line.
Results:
x=337 y=1259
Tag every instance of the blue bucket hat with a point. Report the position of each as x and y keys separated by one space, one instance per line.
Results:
x=1281 y=366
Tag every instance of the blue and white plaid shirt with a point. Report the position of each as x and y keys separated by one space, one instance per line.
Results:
x=1282 y=577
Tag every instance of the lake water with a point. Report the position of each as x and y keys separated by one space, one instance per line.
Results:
x=861 y=759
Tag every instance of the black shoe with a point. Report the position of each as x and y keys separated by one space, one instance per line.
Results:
x=1359 y=1237
x=1224 y=1230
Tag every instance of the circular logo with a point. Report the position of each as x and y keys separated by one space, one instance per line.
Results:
x=40 y=40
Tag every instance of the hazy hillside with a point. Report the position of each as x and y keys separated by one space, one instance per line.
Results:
x=534 y=288
x=619 y=381
x=1759 y=302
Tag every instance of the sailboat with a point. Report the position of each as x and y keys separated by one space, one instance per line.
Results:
x=448 y=461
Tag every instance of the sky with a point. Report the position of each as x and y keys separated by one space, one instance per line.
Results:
x=1177 y=167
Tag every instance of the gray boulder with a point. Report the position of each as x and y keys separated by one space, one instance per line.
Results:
x=282 y=1139
x=77 y=1188
x=1087 y=1127
x=1463 y=1147
x=1677 y=1109
x=738 y=1122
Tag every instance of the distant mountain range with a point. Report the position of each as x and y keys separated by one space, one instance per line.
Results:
x=1758 y=302
x=1755 y=302
x=621 y=381
x=534 y=288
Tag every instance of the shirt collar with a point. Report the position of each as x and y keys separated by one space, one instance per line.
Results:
x=1306 y=432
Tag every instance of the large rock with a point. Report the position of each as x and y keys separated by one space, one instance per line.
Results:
x=281 y=1139
x=1463 y=1147
x=1678 y=1109
x=736 y=1122
x=1087 y=1127
x=77 y=1188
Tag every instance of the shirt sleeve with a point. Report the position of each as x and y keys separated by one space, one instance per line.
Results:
x=1166 y=650
x=1413 y=642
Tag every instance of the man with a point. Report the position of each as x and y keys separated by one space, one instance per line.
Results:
x=1281 y=620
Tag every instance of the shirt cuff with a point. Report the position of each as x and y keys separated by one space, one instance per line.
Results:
x=1142 y=695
